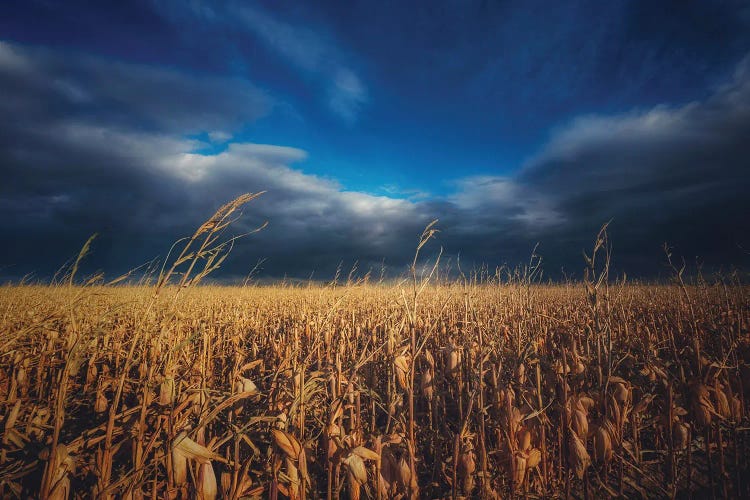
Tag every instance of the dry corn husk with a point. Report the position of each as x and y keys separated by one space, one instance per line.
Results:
x=518 y=464
x=389 y=472
x=534 y=458
x=295 y=485
x=191 y=450
x=466 y=466
x=36 y=427
x=91 y=373
x=243 y=384
x=356 y=467
x=22 y=379
x=401 y=366
x=427 y=385
x=355 y=487
x=206 y=485
x=226 y=484
x=559 y=368
x=332 y=430
x=584 y=403
x=429 y=358
x=702 y=406
x=577 y=455
x=579 y=367
x=521 y=374
x=403 y=473
x=452 y=360
x=680 y=435
x=643 y=404
x=524 y=440
x=167 y=391
x=365 y=453
x=621 y=393
x=287 y=443
x=602 y=445
x=58 y=471
x=722 y=402
x=101 y=404
x=580 y=424
x=736 y=405
x=179 y=467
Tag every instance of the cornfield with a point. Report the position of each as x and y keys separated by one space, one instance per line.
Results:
x=419 y=388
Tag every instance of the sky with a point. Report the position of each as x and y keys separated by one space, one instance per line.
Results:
x=513 y=123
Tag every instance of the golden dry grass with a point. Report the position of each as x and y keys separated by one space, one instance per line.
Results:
x=475 y=391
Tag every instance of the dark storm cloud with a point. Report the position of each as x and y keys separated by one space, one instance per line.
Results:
x=42 y=84
x=668 y=174
x=109 y=154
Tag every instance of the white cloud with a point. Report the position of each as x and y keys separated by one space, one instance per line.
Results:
x=504 y=199
x=219 y=137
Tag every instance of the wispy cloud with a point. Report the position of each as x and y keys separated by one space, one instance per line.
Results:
x=347 y=95
x=312 y=53
x=298 y=45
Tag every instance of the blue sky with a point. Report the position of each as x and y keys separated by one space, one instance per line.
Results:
x=455 y=110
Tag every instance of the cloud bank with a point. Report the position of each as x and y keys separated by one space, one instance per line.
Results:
x=89 y=145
